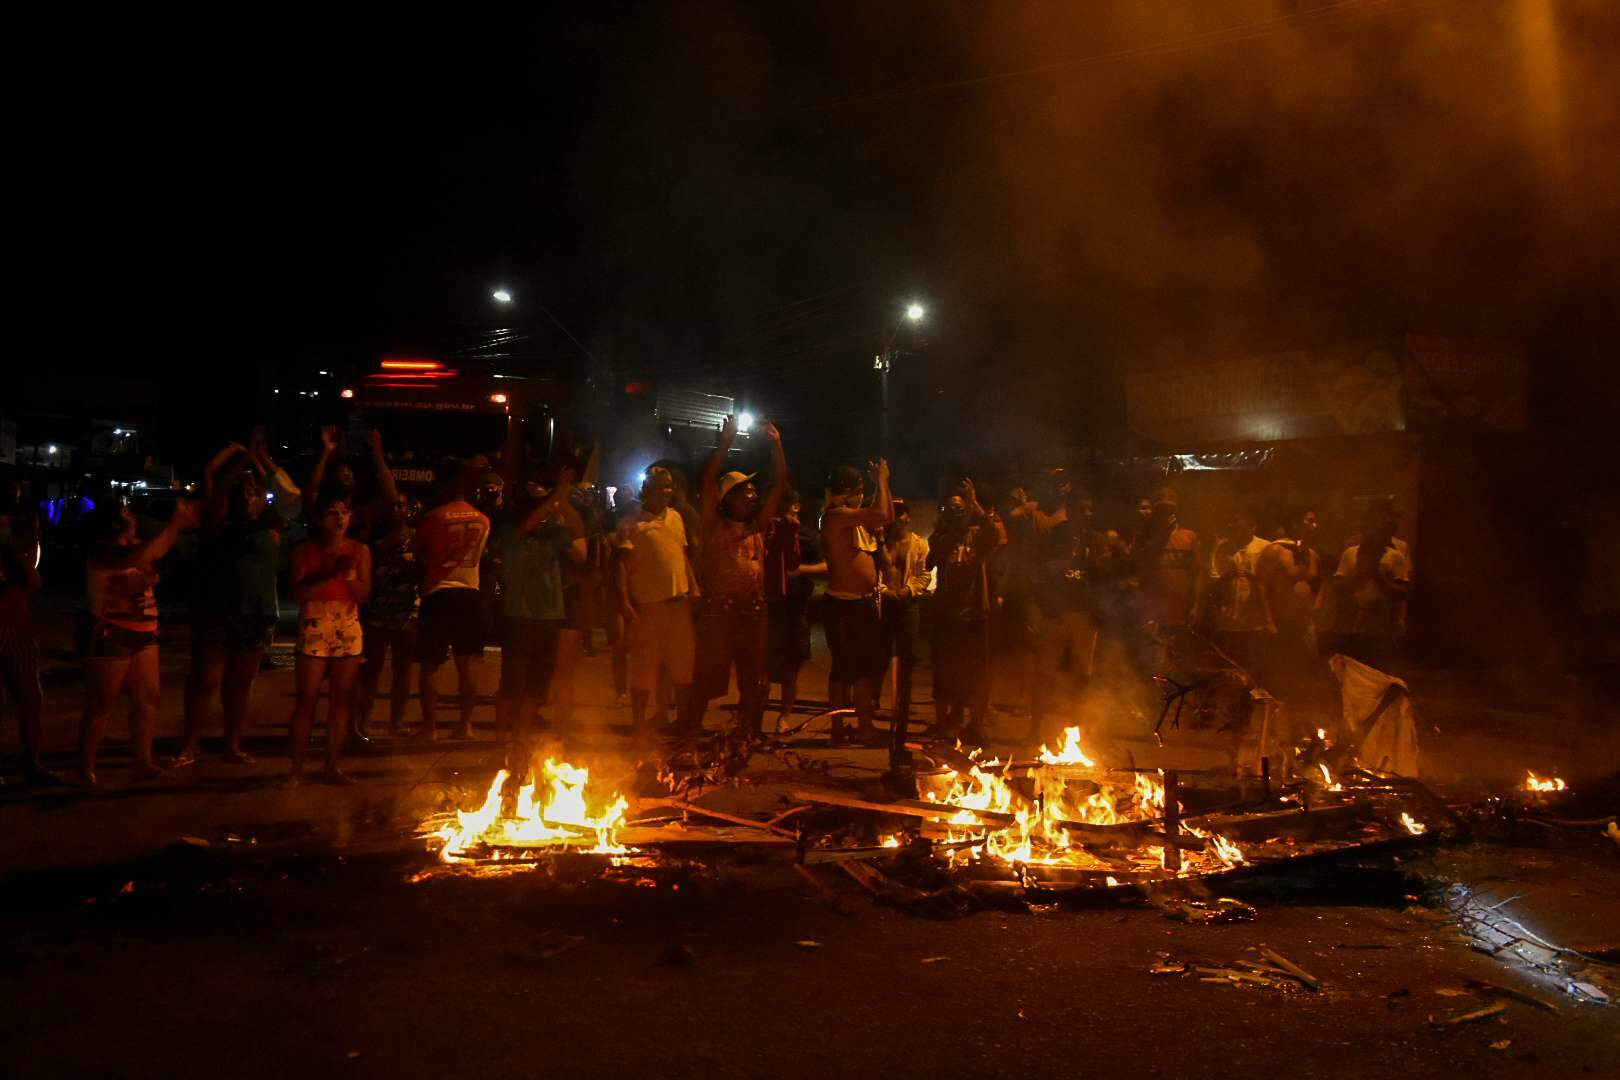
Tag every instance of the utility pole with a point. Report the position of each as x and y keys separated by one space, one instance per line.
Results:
x=884 y=361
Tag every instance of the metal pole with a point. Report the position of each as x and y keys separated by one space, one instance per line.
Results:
x=883 y=379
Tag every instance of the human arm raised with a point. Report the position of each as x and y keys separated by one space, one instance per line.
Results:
x=779 y=474
x=329 y=447
x=385 y=475
x=216 y=463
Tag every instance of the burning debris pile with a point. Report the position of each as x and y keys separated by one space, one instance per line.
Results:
x=1060 y=821
x=1057 y=820
x=514 y=822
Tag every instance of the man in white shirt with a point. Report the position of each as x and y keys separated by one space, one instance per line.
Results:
x=1372 y=583
x=1241 y=608
x=905 y=581
x=655 y=584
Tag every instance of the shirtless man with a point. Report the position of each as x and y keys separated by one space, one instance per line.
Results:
x=854 y=629
x=1290 y=572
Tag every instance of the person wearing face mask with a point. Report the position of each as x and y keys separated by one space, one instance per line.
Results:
x=964 y=539
x=731 y=621
x=331 y=578
x=655 y=585
x=850 y=612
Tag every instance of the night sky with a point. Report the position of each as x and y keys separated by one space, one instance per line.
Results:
x=750 y=192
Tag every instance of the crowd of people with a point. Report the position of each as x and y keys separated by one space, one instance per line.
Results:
x=689 y=596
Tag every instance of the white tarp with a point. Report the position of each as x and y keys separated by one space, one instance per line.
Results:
x=1386 y=730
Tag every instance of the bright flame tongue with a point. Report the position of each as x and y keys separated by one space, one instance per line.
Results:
x=556 y=820
x=1536 y=783
x=1069 y=753
x=1037 y=835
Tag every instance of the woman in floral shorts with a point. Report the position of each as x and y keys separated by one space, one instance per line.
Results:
x=331 y=578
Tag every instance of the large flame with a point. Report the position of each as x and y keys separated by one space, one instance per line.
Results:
x=559 y=817
x=1064 y=793
x=1069 y=753
x=1536 y=783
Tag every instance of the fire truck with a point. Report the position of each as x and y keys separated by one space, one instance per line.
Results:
x=434 y=417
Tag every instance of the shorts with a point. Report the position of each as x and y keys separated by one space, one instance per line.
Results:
x=231 y=632
x=451 y=620
x=379 y=638
x=902 y=629
x=19 y=660
x=787 y=638
x=961 y=660
x=731 y=632
x=528 y=655
x=112 y=642
x=330 y=630
x=855 y=636
x=661 y=637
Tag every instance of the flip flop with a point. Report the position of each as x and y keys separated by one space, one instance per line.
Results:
x=237 y=757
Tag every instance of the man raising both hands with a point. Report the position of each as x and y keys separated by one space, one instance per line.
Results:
x=731 y=620
x=854 y=628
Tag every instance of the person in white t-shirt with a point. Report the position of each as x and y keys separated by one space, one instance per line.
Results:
x=1372 y=583
x=655 y=583
x=1239 y=608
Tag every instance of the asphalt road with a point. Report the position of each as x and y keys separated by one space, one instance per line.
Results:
x=297 y=939
x=200 y=962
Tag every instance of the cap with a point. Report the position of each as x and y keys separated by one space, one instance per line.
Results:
x=732 y=479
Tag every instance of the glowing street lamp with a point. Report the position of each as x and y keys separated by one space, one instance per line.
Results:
x=913 y=313
x=502 y=296
x=745 y=422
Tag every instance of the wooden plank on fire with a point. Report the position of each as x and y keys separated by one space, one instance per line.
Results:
x=905 y=807
x=718 y=815
x=1126 y=834
x=1315 y=822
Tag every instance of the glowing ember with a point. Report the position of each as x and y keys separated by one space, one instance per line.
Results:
x=1536 y=783
x=1413 y=826
x=559 y=818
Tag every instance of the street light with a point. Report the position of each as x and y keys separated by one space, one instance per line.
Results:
x=914 y=312
x=502 y=296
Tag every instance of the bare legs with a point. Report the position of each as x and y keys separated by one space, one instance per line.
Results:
x=135 y=677
x=22 y=685
x=562 y=676
x=379 y=643
x=467 y=668
x=230 y=672
x=310 y=672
